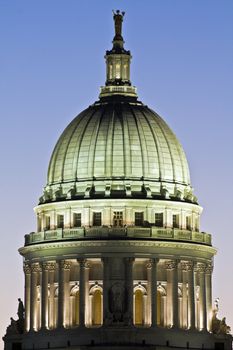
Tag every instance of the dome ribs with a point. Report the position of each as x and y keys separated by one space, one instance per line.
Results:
x=142 y=138
x=94 y=152
x=156 y=144
x=126 y=137
x=109 y=144
x=79 y=138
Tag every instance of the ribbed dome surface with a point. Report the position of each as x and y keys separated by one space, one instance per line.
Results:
x=118 y=139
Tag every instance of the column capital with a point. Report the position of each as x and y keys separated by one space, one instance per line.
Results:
x=36 y=267
x=27 y=268
x=171 y=264
x=84 y=263
x=49 y=266
x=65 y=264
x=151 y=262
x=130 y=260
x=209 y=268
x=200 y=267
x=187 y=266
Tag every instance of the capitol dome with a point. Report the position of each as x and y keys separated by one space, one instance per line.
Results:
x=117 y=260
x=118 y=147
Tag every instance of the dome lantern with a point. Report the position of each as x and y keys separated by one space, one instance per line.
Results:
x=118 y=64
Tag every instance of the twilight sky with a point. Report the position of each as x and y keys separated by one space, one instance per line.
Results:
x=51 y=67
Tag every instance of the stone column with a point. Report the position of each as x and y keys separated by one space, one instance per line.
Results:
x=172 y=280
x=129 y=289
x=184 y=296
x=35 y=269
x=202 y=298
x=105 y=262
x=191 y=294
x=44 y=296
x=84 y=269
x=208 y=278
x=52 y=267
x=63 y=301
x=153 y=299
x=27 y=287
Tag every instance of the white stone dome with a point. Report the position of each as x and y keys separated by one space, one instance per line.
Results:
x=118 y=142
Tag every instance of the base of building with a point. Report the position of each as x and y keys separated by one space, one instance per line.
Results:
x=118 y=339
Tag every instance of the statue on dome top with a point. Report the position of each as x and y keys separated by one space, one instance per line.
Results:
x=118 y=19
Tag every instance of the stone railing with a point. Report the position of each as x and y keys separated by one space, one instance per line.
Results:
x=104 y=232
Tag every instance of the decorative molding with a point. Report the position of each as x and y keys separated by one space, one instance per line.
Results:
x=105 y=243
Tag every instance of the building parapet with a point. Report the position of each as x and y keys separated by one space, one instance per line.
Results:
x=157 y=233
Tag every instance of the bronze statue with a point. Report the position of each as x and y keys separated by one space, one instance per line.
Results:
x=118 y=19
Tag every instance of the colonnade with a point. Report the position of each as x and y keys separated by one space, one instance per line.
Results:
x=186 y=302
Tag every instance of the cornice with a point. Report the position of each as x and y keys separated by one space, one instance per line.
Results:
x=118 y=243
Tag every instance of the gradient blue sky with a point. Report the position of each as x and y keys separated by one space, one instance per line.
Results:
x=51 y=67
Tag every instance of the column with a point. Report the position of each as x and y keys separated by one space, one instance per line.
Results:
x=191 y=294
x=208 y=278
x=105 y=290
x=172 y=280
x=84 y=270
x=202 y=298
x=52 y=267
x=35 y=269
x=129 y=289
x=184 y=297
x=44 y=296
x=153 y=301
x=63 y=300
x=27 y=287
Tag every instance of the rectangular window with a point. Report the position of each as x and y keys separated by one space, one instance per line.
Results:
x=188 y=223
x=139 y=218
x=47 y=222
x=60 y=221
x=117 y=218
x=97 y=219
x=175 y=220
x=159 y=219
x=77 y=220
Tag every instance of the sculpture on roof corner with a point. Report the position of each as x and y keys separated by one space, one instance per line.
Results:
x=17 y=326
x=219 y=326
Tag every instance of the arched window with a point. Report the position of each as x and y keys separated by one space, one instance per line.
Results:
x=74 y=306
x=161 y=306
x=138 y=308
x=97 y=308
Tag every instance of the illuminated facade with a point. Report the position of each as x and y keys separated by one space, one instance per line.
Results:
x=118 y=258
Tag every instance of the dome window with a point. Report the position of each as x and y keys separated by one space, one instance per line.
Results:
x=175 y=220
x=139 y=218
x=97 y=219
x=47 y=222
x=188 y=222
x=159 y=219
x=118 y=218
x=77 y=220
x=60 y=221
